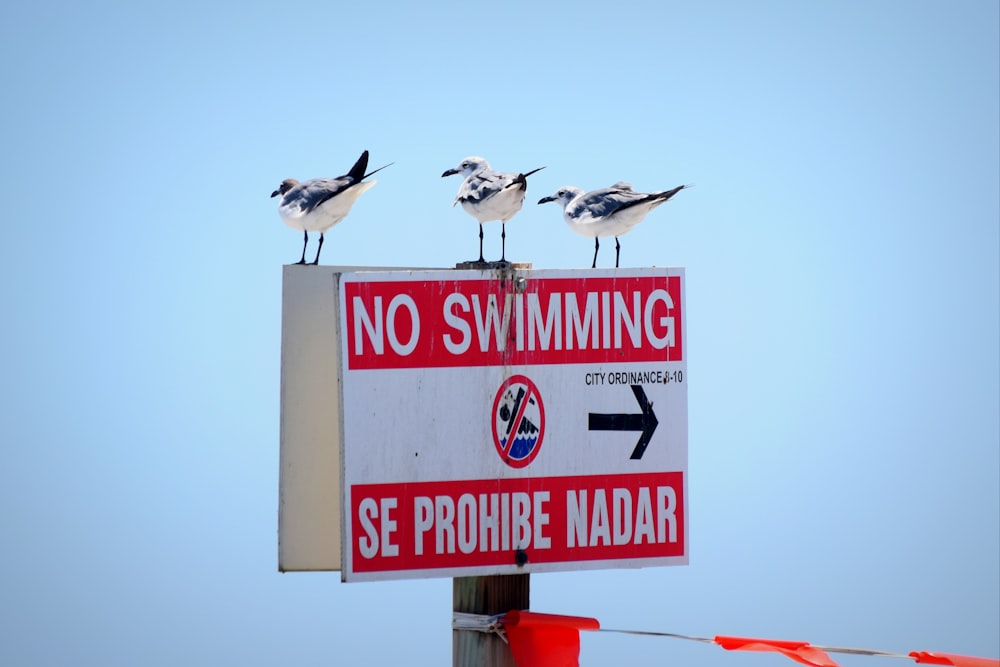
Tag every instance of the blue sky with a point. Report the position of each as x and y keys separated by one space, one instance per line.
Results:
x=841 y=246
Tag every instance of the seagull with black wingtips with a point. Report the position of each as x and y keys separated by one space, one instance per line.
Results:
x=489 y=195
x=607 y=212
x=318 y=204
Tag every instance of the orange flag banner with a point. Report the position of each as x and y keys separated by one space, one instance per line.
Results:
x=545 y=640
x=797 y=651
x=935 y=658
x=553 y=640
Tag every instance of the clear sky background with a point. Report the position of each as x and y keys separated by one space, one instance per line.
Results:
x=841 y=245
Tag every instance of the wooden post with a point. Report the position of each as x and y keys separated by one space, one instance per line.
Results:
x=496 y=594
x=491 y=595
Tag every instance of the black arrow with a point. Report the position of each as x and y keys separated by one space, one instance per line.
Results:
x=645 y=421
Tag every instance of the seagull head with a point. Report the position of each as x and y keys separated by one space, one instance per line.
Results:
x=563 y=195
x=468 y=166
x=285 y=186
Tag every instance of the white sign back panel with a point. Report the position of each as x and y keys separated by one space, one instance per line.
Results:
x=502 y=422
x=309 y=481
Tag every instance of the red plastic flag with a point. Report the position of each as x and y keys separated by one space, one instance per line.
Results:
x=935 y=658
x=797 y=651
x=545 y=640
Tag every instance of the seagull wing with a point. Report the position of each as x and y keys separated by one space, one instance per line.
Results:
x=608 y=201
x=482 y=185
x=312 y=194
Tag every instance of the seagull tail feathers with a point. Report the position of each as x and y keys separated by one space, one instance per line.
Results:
x=667 y=194
x=357 y=172
x=377 y=170
x=521 y=180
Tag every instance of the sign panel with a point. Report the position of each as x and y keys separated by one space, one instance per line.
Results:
x=497 y=422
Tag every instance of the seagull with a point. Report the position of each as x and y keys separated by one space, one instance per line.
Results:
x=320 y=203
x=607 y=212
x=490 y=195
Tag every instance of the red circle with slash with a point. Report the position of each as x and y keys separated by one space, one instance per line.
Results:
x=518 y=421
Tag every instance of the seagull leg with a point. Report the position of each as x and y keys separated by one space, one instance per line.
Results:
x=481 y=243
x=597 y=244
x=304 y=244
x=316 y=261
x=618 y=250
x=503 y=241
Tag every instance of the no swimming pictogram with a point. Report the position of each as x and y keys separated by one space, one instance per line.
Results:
x=518 y=421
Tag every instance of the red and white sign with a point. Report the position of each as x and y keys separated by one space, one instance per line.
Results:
x=503 y=422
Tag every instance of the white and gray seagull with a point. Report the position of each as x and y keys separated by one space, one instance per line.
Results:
x=490 y=195
x=318 y=204
x=607 y=212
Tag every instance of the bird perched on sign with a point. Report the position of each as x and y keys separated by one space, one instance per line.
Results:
x=490 y=195
x=607 y=212
x=318 y=204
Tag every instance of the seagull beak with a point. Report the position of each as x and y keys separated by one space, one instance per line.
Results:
x=545 y=200
x=450 y=172
x=275 y=193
